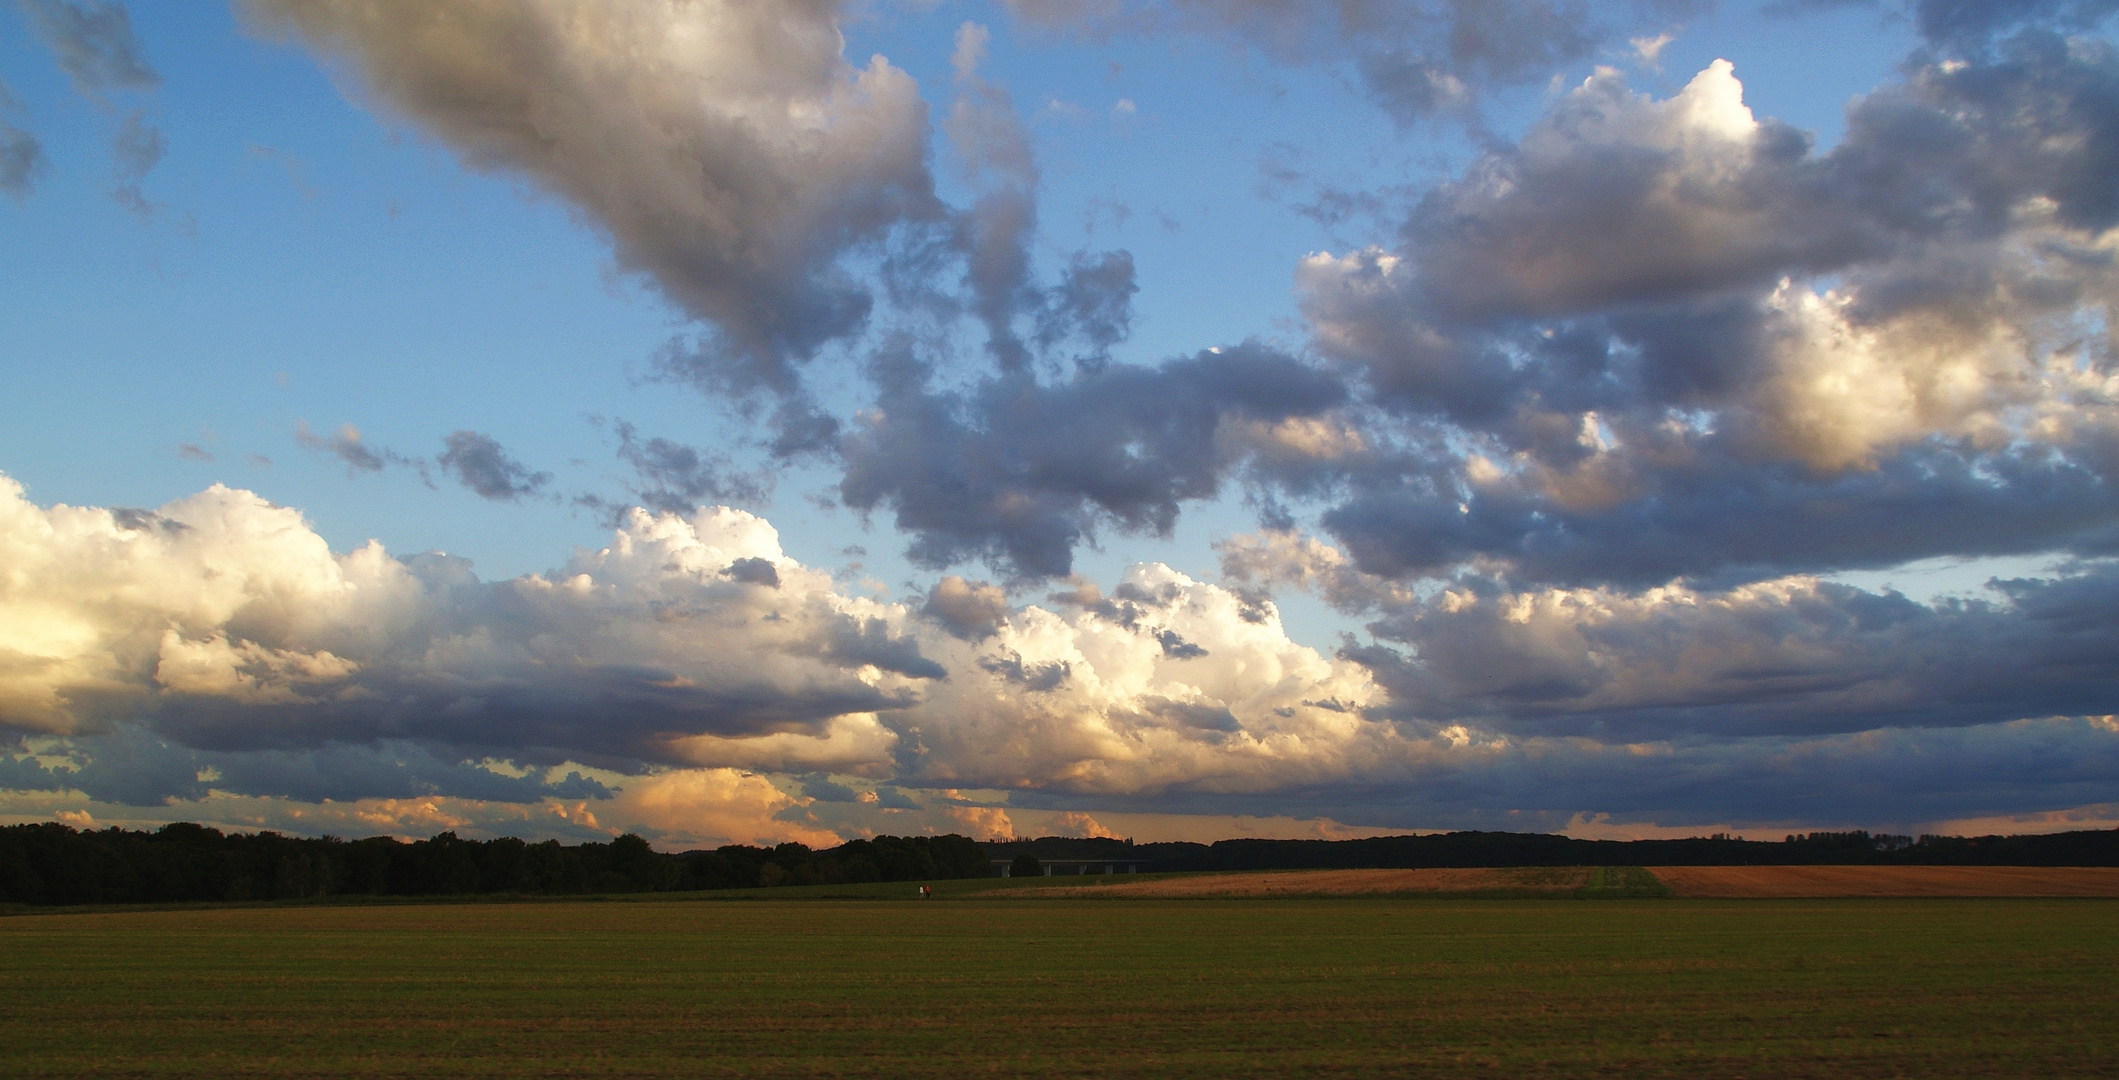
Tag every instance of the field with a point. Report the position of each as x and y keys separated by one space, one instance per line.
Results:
x=1583 y=881
x=1836 y=881
x=1359 y=985
x=1590 y=882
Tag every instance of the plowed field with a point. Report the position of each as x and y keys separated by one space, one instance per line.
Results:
x=1968 y=881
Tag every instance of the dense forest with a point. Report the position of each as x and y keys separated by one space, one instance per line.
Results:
x=51 y=863
x=54 y=864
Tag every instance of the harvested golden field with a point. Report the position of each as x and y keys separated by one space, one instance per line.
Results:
x=1840 y=881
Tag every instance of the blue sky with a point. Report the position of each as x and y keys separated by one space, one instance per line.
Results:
x=1433 y=414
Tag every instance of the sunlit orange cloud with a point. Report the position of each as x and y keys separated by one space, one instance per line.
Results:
x=984 y=822
x=687 y=808
x=1197 y=828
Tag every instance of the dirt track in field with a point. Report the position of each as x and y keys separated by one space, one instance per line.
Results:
x=1330 y=883
x=1822 y=881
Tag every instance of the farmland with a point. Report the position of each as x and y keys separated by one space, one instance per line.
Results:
x=1217 y=986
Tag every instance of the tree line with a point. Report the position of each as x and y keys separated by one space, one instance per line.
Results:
x=1494 y=849
x=51 y=863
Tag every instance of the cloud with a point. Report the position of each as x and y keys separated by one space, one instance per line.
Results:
x=820 y=787
x=1016 y=472
x=346 y=445
x=1973 y=23
x=1131 y=717
x=21 y=159
x=755 y=571
x=133 y=767
x=219 y=633
x=984 y=822
x=710 y=807
x=1416 y=60
x=729 y=151
x=968 y=609
x=1793 y=656
x=677 y=809
x=1650 y=49
x=21 y=155
x=93 y=42
x=1663 y=338
x=215 y=656
x=224 y=623
x=675 y=478
x=134 y=152
x=485 y=467
x=1075 y=823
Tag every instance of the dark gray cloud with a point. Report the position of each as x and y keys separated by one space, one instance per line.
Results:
x=1416 y=58
x=1015 y=471
x=1196 y=715
x=1176 y=647
x=606 y=715
x=676 y=478
x=1036 y=678
x=484 y=466
x=1797 y=8
x=1093 y=304
x=1899 y=780
x=821 y=787
x=1973 y=23
x=755 y=571
x=967 y=609
x=28 y=774
x=131 y=766
x=93 y=42
x=346 y=445
x=134 y=152
x=20 y=162
x=854 y=643
x=21 y=159
x=1724 y=519
x=1797 y=658
x=21 y=155
x=890 y=798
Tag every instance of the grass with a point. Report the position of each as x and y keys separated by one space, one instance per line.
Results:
x=1354 y=986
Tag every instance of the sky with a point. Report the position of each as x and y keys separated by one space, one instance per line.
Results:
x=734 y=421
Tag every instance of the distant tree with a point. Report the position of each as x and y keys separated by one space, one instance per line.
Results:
x=1025 y=865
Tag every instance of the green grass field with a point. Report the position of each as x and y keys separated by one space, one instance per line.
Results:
x=1210 y=988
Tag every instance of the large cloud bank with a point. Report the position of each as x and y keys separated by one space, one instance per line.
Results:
x=217 y=649
x=1583 y=437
